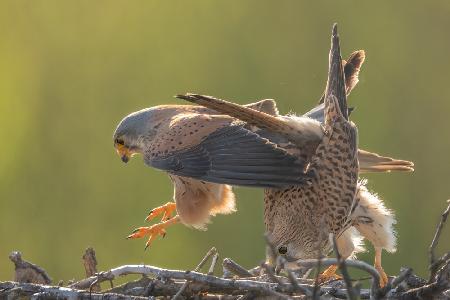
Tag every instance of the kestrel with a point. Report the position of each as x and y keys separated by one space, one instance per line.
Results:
x=205 y=151
x=333 y=201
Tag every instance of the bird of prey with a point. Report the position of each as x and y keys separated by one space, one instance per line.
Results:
x=193 y=144
x=205 y=151
x=333 y=201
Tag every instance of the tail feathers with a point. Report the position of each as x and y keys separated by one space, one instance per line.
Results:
x=335 y=90
x=373 y=162
x=351 y=69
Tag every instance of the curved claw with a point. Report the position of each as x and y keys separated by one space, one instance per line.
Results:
x=383 y=276
x=329 y=274
x=166 y=209
x=152 y=231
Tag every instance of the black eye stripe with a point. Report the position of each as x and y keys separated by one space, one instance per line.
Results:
x=120 y=142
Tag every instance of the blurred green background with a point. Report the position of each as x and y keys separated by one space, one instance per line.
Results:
x=70 y=70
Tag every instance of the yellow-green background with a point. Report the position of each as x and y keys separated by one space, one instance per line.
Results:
x=70 y=70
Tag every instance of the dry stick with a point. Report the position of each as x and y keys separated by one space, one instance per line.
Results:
x=210 y=253
x=235 y=268
x=90 y=266
x=441 y=260
x=226 y=284
x=213 y=264
x=430 y=290
x=322 y=235
x=343 y=268
x=307 y=273
x=316 y=289
x=270 y=272
x=326 y=262
x=16 y=290
x=168 y=288
x=391 y=286
x=433 y=266
x=404 y=274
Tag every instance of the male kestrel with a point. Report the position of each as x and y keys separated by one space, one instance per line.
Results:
x=333 y=201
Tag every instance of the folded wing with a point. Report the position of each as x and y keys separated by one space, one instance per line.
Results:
x=229 y=153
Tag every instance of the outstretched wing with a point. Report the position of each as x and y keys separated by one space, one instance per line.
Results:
x=221 y=150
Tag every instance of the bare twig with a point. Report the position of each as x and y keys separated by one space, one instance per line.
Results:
x=213 y=264
x=343 y=268
x=404 y=274
x=229 y=284
x=433 y=266
x=350 y=263
x=15 y=290
x=390 y=288
x=163 y=287
x=429 y=291
x=90 y=266
x=235 y=268
x=210 y=253
x=271 y=274
x=318 y=264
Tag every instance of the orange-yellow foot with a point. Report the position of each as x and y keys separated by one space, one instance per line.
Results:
x=152 y=231
x=329 y=274
x=166 y=209
x=383 y=276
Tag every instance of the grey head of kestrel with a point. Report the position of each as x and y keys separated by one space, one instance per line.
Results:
x=203 y=153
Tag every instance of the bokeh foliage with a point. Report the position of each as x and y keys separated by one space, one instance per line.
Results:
x=70 y=70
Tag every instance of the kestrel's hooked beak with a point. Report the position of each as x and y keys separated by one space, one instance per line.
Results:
x=123 y=152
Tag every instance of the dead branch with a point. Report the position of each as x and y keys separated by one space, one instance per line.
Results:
x=434 y=265
x=343 y=268
x=16 y=290
x=213 y=264
x=235 y=268
x=28 y=272
x=357 y=264
x=210 y=253
x=90 y=266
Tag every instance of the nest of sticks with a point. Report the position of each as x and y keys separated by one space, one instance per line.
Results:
x=261 y=282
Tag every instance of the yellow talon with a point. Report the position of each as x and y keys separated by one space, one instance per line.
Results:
x=152 y=231
x=329 y=274
x=377 y=264
x=166 y=209
x=383 y=276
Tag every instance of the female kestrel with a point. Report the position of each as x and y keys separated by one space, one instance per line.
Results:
x=333 y=201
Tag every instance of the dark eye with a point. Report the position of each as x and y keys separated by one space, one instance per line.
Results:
x=282 y=250
x=120 y=142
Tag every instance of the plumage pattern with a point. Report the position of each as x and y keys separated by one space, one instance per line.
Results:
x=299 y=218
x=324 y=205
x=308 y=164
